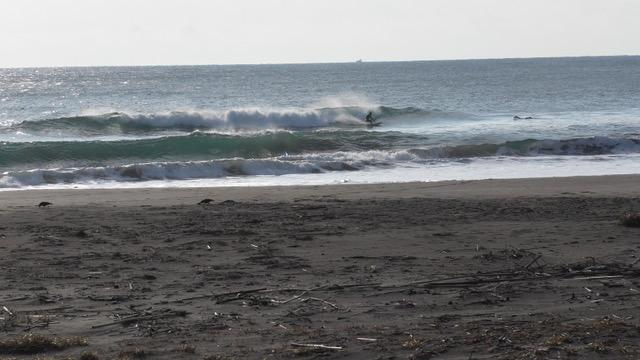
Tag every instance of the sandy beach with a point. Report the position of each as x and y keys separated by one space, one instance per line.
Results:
x=493 y=269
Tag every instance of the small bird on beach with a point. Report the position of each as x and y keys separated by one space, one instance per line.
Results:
x=205 y=202
x=44 y=204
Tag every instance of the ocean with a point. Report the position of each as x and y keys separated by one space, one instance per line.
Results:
x=113 y=127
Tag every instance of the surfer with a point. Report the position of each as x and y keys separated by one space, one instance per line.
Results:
x=369 y=118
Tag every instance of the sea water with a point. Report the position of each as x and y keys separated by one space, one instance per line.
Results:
x=303 y=124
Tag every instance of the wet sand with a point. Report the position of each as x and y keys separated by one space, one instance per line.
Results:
x=495 y=269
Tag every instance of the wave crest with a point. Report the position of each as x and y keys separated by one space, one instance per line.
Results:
x=312 y=161
x=116 y=123
x=203 y=146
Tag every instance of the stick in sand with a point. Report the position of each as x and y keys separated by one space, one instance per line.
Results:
x=317 y=346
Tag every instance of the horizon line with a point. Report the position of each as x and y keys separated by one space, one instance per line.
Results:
x=357 y=61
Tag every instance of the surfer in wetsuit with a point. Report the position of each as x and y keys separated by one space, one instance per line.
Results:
x=369 y=118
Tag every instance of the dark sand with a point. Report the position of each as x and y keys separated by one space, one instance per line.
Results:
x=497 y=269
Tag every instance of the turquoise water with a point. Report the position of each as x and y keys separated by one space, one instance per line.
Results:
x=295 y=124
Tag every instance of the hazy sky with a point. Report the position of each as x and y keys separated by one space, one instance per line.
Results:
x=123 y=32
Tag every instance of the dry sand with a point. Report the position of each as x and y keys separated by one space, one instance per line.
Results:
x=496 y=269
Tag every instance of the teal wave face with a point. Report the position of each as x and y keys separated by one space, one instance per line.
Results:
x=119 y=123
x=203 y=146
x=196 y=146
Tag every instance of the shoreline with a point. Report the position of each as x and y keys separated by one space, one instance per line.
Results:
x=500 y=269
x=601 y=185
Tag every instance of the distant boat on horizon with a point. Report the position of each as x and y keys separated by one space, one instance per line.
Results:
x=359 y=61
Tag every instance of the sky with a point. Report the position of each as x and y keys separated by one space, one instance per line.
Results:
x=171 y=32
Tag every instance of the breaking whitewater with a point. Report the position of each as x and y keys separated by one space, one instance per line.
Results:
x=301 y=146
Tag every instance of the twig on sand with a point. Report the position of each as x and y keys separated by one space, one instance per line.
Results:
x=466 y=280
x=16 y=298
x=152 y=316
x=317 y=346
x=535 y=260
x=291 y=299
x=41 y=310
x=116 y=298
x=237 y=293
x=597 y=277
x=322 y=301
x=366 y=339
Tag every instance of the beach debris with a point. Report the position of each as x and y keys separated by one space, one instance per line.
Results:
x=112 y=298
x=46 y=299
x=186 y=348
x=44 y=204
x=317 y=346
x=205 y=201
x=457 y=281
x=36 y=343
x=144 y=316
x=534 y=261
x=291 y=299
x=23 y=297
x=631 y=219
x=413 y=342
x=82 y=234
x=237 y=295
x=320 y=300
x=366 y=339
x=403 y=304
x=275 y=324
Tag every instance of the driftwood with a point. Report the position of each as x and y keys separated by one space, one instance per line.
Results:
x=237 y=293
x=290 y=300
x=150 y=316
x=320 y=300
x=366 y=339
x=117 y=298
x=533 y=261
x=16 y=298
x=41 y=310
x=461 y=280
x=317 y=346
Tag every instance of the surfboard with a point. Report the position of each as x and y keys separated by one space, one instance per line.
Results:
x=374 y=124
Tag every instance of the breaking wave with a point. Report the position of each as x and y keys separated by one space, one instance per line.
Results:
x=198 y=146
x=306 y=156
x=203 y=146
x=115 y=123
x=533 y=147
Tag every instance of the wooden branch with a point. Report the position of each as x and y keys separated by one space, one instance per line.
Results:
x=238 y=292
x=142 y=317
x=533 y=261
x=471 y=280
x=320 y=300
x=290 y=300
x=317 y=346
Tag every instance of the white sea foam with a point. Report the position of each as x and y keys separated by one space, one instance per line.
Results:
x=320 y=162
x=247 y=118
